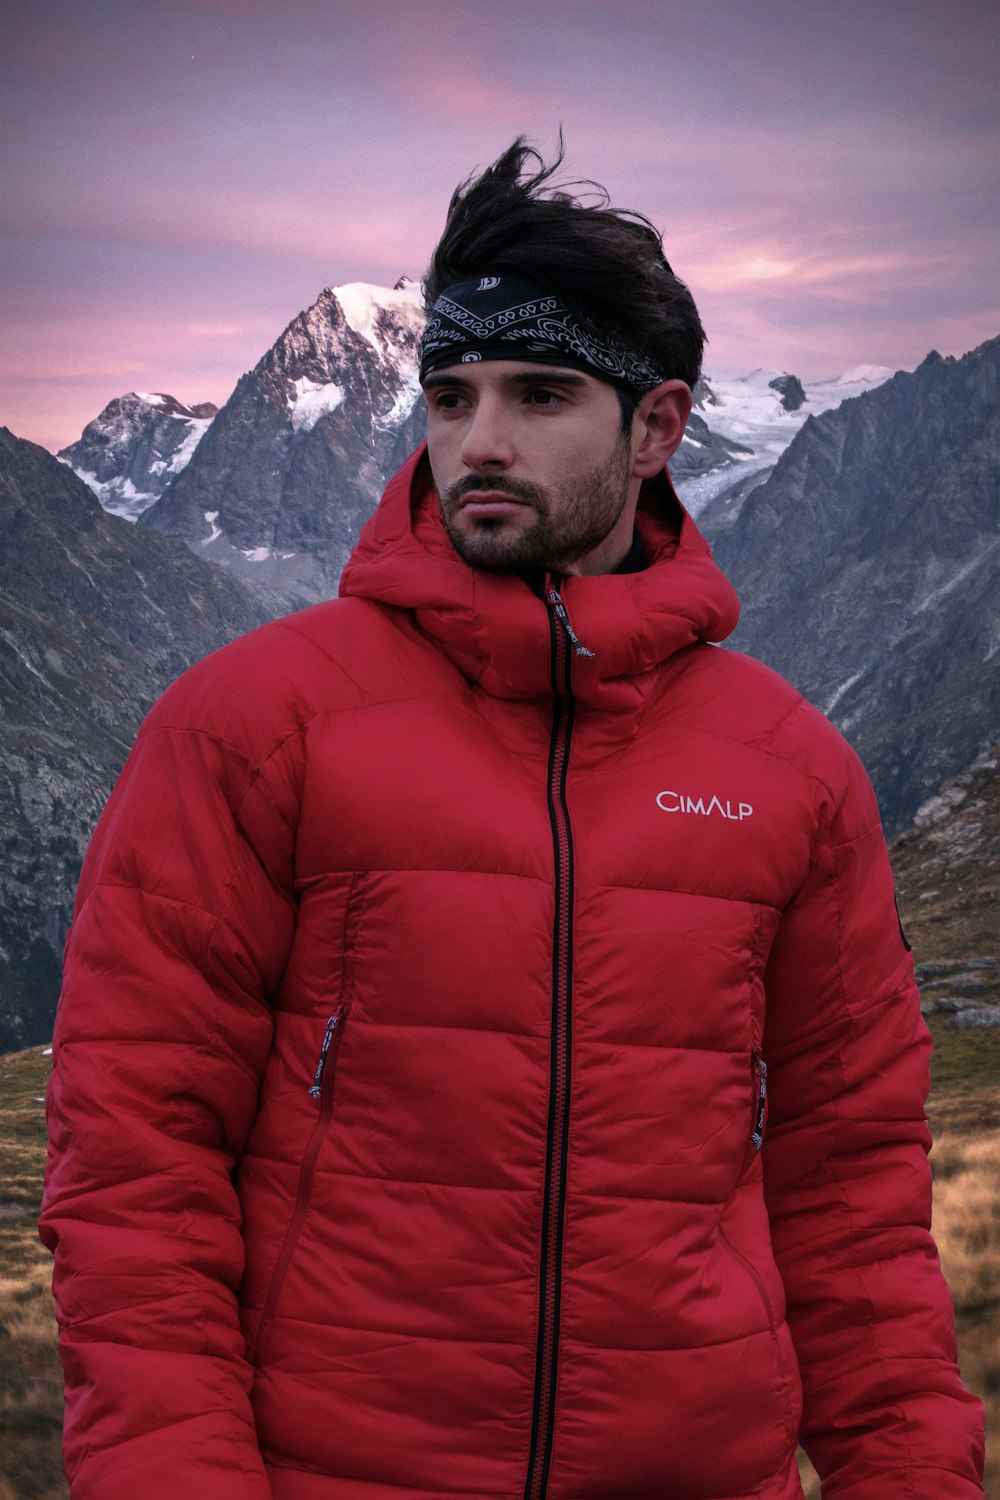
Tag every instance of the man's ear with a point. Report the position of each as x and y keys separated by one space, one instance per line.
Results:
x=658 y=426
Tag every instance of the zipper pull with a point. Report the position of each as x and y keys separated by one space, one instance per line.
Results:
x=757 y=1136
x=555 y=599
x=331 y=1026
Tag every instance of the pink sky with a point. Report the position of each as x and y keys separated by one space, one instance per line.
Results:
x=181 y=177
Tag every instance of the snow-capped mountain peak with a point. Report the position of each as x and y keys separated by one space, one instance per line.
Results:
x=362 y=302
x=131 y=451
x=302 y=448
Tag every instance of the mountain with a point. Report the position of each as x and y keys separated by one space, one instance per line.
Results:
x=130 y=452
x=759 y=413
x=97 y=617
x=277 y=488
x=293 y=464
x=866 y=564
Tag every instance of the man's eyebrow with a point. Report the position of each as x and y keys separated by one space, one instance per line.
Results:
x=547 y=375
x=540 y=375
x=429 y=382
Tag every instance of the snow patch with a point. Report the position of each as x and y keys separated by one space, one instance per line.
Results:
x=211 y=516
x=119 y=497
x=184 y=453
x=865 y=375
x=150 y=398
x=959 y=576
x=264 y=554
x=404 y=402
x=312 y=401
x=361 y=302
x=836 y=696
x=695 y=493
x=46 y=1051
x=127 y=491
x=90 y=479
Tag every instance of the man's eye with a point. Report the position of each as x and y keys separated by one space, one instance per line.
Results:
x=447 y=401
x=541 y=396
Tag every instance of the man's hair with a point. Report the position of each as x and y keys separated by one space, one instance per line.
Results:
x=603 y=262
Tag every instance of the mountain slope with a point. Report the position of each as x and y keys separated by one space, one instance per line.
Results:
x=97 y=617
x=293 y=464
x=867 y=567
x=947 y=869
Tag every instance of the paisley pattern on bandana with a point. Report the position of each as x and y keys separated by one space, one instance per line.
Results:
x=507 y=317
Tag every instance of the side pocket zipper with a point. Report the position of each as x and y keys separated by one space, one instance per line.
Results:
x=759 y=1069
x=327 y=1058
x=772 y=1323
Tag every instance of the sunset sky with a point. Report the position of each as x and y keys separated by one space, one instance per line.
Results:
x=181 y=177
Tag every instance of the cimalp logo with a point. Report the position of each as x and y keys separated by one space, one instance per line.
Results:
x=681 y=802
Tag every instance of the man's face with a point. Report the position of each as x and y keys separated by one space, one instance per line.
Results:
x=531 y=466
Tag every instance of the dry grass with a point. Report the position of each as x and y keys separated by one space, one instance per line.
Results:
x=965 y=1114
x=30 y=1377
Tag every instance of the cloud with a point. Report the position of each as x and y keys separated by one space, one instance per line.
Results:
x=216 y=330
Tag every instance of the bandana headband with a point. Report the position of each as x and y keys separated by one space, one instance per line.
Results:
x=509 y=317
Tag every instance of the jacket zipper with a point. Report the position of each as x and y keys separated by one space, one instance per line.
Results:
x=557 y=1138
x=327 y=1059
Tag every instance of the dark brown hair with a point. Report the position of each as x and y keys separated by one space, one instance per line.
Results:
x=604 y=262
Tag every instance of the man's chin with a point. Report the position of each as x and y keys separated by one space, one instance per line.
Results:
x=494 y=552
x=497 y=547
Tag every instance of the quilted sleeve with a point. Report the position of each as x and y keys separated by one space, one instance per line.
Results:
x=183 y=922
x=848 y=1185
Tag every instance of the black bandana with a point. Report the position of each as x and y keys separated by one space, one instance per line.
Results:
x=508 y=317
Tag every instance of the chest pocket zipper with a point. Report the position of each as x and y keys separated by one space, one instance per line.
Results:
x=322 y=1090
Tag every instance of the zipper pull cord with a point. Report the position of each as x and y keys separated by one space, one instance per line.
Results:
x=331 y=1026
x=555 y=599
x=757 y=1135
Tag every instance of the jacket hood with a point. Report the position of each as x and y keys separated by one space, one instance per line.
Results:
x=495 y=627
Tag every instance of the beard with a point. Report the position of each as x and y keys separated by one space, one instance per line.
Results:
x=569 y=521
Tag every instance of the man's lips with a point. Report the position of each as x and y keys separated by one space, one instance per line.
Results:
x=490 y=502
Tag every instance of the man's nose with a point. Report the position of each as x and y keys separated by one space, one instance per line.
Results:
x=487 y=443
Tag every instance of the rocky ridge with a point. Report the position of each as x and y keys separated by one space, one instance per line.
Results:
x=866 y=565
x=312 y=433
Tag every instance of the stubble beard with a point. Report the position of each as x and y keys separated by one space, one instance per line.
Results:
x=569 y=523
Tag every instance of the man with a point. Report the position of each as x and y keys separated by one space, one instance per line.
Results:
x=438 y=958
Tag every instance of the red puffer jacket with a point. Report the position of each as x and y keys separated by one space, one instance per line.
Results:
x=410 y=1070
